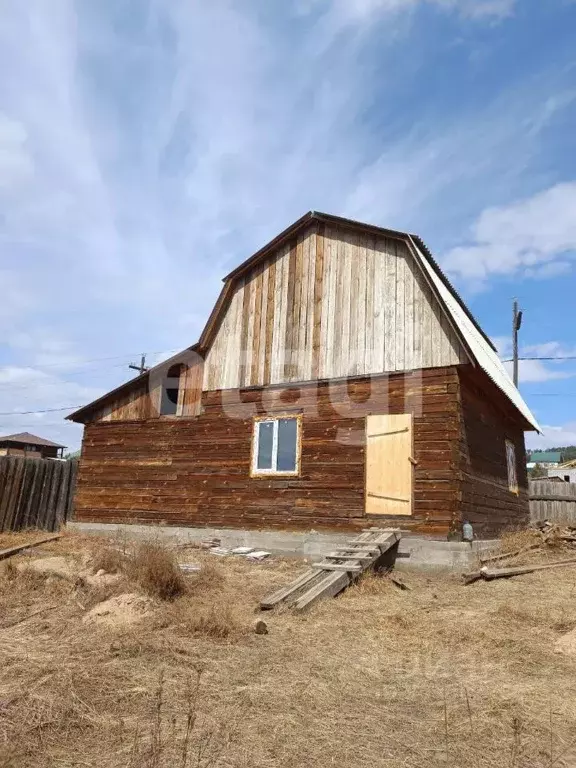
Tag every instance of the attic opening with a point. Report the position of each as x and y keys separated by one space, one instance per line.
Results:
x=170 y=391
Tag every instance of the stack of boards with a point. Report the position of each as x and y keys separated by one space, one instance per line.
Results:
x=337 y=570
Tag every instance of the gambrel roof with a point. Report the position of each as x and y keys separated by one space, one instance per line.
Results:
x=478 y=347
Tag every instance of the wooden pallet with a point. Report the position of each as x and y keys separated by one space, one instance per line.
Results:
x=337 y=570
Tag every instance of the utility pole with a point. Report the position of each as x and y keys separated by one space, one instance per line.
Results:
x=142 y=367
x=516 y=324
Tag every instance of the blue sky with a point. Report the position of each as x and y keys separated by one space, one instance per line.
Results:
x=146 y=147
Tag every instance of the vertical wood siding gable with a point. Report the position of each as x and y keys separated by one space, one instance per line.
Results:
x=328 y=304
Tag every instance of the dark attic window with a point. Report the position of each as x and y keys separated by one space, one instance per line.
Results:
x=170 y=390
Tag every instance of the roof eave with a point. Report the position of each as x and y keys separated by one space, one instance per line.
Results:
x=79 y=415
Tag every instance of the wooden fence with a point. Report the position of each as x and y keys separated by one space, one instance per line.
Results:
x=35 y=493
x=553 y=501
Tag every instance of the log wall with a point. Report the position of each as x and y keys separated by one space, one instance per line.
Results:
x=196 y=471
x=143 y=400
x=488 y=420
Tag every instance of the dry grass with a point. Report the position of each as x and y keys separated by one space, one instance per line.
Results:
x=110 y=559
x=155 y=569
x=442 y=675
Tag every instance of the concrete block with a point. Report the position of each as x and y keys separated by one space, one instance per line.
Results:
x=312 y=545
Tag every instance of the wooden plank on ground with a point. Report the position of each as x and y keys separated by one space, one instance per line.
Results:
x=326 y=579
x=5 y=553
x=501 y=573
x=282 y=594
x=506 y=555
x=329 y=586
x=350 y=567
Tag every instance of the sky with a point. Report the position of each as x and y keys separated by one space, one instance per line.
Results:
x=149 y=146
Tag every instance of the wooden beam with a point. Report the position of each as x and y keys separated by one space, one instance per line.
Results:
x=282 y=594
x=505 y=555
x=5 y=553
x=504 y=573
x=501 y=573
x=330 y=586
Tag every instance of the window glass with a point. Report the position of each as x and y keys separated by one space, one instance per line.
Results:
x=170 y=389
x=511 y=462
x=265 y=444
x=276 y=446
x=287 y=439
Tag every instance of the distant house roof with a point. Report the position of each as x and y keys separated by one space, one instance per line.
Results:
x=546 y=457
x=568 y=464
x=28 y=439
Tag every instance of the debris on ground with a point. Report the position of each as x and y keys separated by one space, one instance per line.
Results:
x=120 y=611
x=259 y=555
x=210 y=543
x=261 y=628
x=398 y=582
x=503 y=573
x=528 y=546
x=190 y=567
x=249 y=552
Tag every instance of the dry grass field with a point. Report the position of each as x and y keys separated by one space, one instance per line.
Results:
x=171 y=673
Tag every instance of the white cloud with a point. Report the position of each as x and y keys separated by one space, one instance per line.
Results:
x=30 y=389
x=537 y=370
x=361 y=10
x=44 y=347
x=169 y=145
x=553 y=436
x=524 y=237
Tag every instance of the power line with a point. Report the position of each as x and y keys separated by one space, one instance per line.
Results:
x=561 y=357
x=103 y=359
x=45 y=410
x=550 y=394
x=74 y=372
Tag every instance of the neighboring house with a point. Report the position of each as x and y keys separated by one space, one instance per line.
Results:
x=340 y=382
x=32 y=446
x=565 y=471
x=544 y=459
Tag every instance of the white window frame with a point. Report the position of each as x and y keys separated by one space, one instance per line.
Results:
x=511 y=466
x=273 y=471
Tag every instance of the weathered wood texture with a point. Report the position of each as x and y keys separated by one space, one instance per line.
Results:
x=143 y=401
x=553 y=501
x=330 y=303
x=488 y=420
x=196 y=471
x=35 y=493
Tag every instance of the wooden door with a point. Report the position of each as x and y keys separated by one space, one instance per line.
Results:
x=389 y=464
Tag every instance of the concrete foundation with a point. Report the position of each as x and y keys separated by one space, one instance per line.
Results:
x=414 y=551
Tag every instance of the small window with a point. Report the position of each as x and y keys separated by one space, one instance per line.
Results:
x=170 y=392
x=276 y=446
x=511 y=462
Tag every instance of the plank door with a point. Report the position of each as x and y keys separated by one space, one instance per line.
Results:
x=389 y=467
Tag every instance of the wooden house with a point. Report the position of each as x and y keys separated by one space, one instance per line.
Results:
x=31 y=446
x=340 y=381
